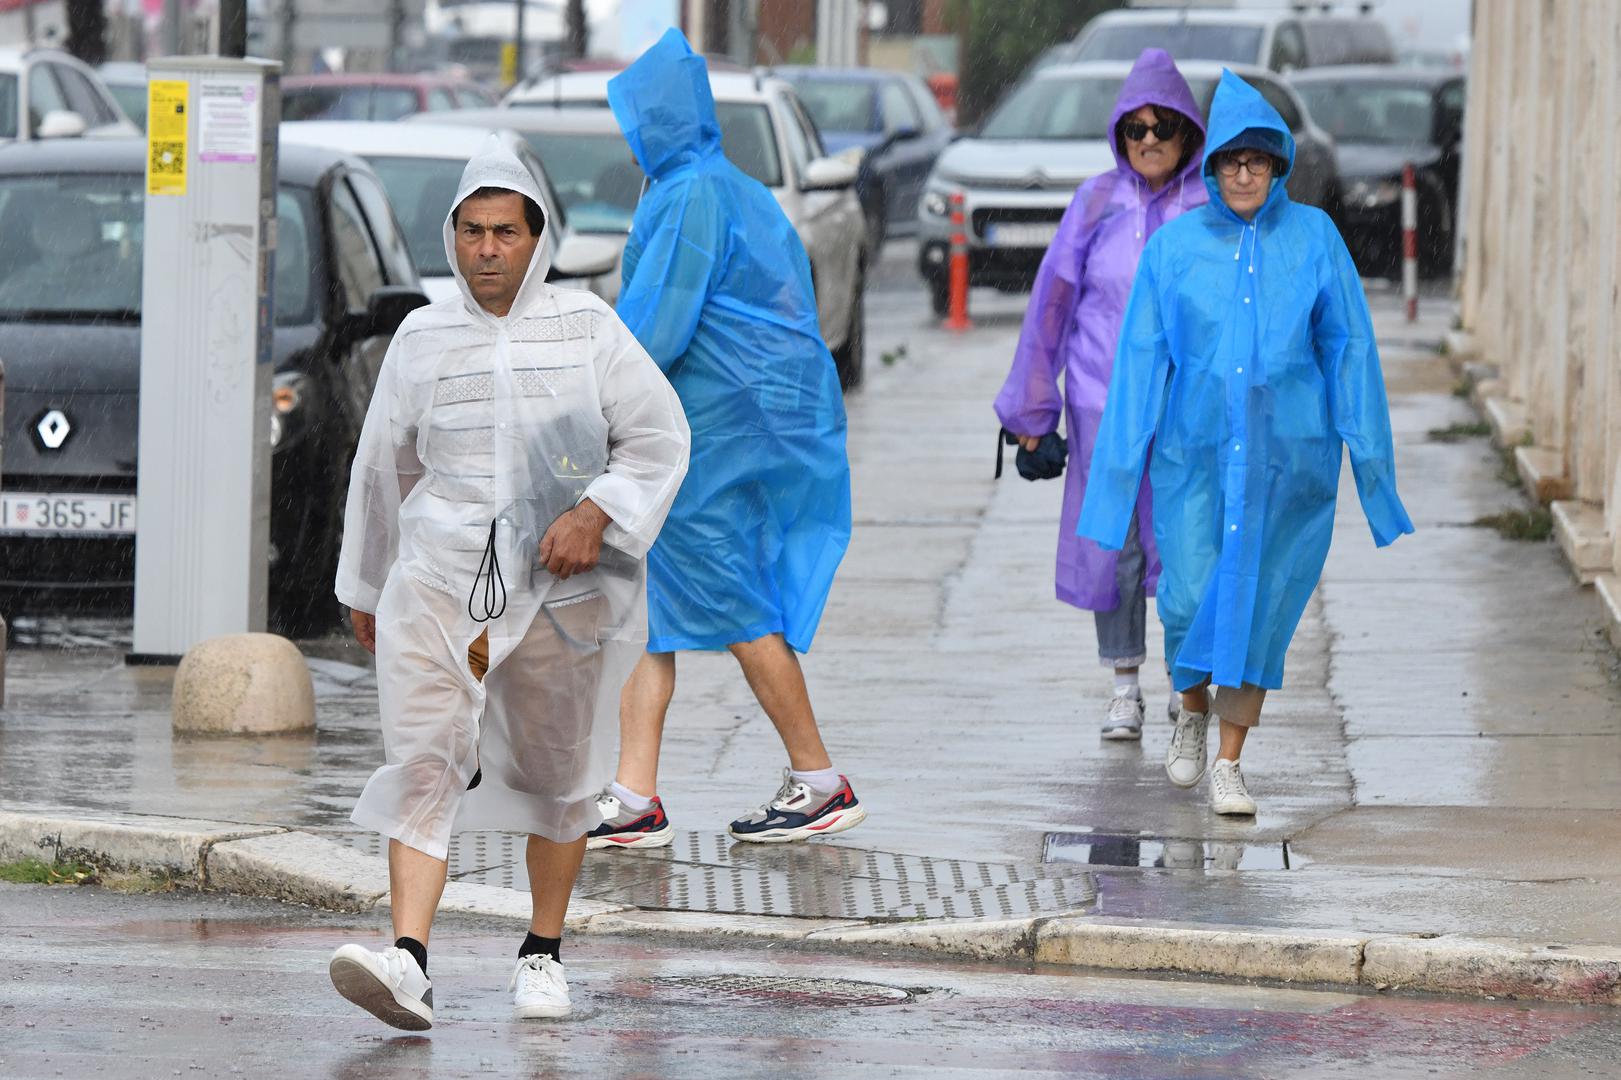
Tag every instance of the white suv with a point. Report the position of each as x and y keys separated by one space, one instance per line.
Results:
x=767 y=133
x=47 y=94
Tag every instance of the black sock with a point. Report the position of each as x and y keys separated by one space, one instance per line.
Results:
x=418 y=951
x=533 y=943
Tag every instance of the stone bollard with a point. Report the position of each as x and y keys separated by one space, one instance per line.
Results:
x=243 y=684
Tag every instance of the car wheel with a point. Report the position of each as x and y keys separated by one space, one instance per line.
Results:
x=851 y=357
x=940 y=295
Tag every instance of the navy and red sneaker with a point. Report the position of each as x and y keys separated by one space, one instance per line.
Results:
x=623 y=827
x=798 y=812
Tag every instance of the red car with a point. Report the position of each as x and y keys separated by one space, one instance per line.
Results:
x=376 y=96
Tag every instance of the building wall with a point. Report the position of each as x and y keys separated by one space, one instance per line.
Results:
x=1540 y=291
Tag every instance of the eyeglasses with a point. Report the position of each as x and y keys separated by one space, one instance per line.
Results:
x=1164 y=130
x=1259 y=165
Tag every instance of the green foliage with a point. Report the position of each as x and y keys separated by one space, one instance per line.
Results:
x=1003 y=37
x=40 y=872
x=1534 y=524
x=1460 y=432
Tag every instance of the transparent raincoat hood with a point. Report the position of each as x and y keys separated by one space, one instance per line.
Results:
x=717 y=288
x=1246 y=366
x=1072 y=325
x=482 y=431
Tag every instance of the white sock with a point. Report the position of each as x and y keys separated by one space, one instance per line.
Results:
x=817 y=779
x=1125 y=682
x=629 y=799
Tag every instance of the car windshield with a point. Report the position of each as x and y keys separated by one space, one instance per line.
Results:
x=596 y=178
x=56 y=230
x=8 y=106
x=132 y=99
x=1370 y=111
x=1183 y=40
x=349 y=103
x=839 y=104
x=422 y=191
x=1055 y=108
x=746 y=135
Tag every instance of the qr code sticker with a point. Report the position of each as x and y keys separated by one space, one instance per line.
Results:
x=167 y=156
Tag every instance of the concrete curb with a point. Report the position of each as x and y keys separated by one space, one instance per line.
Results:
x=283 y=864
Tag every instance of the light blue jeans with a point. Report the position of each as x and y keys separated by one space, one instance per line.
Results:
x=1123 y=632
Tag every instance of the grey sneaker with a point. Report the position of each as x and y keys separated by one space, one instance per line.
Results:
x=623 y=827
x=388 y=984
x=1185 y=757
x=1228 y=795
x=1125 y=719
x=797 y=812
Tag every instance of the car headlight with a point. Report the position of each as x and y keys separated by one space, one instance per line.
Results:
x=1372 y=194
x=936 y=204
x=289 y=407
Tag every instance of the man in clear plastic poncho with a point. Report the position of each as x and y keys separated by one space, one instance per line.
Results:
x=519 y=456
x=1247 y=360
x=717 y=288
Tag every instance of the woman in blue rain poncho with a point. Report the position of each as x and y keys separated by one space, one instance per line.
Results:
x=1246 y=361
x=717 y=288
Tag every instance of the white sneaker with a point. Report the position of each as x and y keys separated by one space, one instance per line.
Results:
x=1125 y=720
x=1185 y=758
x=387 y=984
x=1228 y=795
x=539 y=989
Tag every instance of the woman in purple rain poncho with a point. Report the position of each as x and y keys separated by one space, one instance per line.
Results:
x=1073 y=326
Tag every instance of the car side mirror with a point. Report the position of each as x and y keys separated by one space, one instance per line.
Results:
x=386 y=309
x=828 y=174
x=60 y=124
x=583 y=256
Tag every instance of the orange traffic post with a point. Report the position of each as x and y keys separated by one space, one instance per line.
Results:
x=957 y=317
x=1409 y=241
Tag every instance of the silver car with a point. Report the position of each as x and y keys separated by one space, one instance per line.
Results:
x=1018 y=173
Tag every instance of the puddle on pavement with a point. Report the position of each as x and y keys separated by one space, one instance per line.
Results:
x=780 y=990
x=1153 y=852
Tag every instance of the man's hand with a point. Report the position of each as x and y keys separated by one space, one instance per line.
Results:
x=574 y=542
x=1030 y=442
x=365 y=626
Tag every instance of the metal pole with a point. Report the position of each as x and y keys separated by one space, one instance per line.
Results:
x=233 y=28
x=172 y=15
x=519 y=67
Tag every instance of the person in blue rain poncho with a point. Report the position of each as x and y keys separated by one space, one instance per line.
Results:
x=717 y=288
x=1246 y=361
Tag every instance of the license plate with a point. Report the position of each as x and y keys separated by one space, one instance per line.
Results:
x=1033 y=236
x=22 y=513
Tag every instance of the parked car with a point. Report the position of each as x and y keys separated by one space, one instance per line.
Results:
x=376 y=97
x=1280 y=40
x=1382 y=118
x=71 y=223
x=892 y=125
x=421 y=167
x=766 y=132
x=590 y=168
x=1018 y=173
x=125 y=80
x=47 y=94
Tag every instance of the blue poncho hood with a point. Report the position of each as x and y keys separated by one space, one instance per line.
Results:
x=664 y=106
x=1240 y=117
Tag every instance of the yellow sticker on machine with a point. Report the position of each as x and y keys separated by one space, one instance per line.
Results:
x=166 y=127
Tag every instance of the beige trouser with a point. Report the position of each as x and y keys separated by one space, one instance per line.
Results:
x=478 y=656
x=1240 y=706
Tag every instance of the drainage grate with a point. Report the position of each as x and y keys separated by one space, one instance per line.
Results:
x=779 y=990
x=1167 y=853
x=710 y=872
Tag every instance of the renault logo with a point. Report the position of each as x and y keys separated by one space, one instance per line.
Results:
x=53 y=429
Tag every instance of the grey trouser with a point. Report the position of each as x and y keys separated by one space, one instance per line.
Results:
x=1123 y=632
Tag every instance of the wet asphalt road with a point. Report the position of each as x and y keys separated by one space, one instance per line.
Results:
x=94 y=983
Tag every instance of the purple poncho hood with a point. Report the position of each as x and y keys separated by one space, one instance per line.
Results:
x=1072 y=325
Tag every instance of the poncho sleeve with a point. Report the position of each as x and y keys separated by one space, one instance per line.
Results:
x=1345 y=342
x=670 y=263
x=1030 y=402
x=1142 y=366
x=648 y=440
x=385 y=470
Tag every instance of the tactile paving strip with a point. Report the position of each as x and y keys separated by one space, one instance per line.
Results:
x=711 y=872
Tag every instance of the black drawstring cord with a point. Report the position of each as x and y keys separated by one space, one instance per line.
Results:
x=492 y=583
x=1004 y=437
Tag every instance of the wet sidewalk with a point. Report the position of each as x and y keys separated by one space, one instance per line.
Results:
x=1445 y=758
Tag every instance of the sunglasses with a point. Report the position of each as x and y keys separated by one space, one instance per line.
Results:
x=1164 y=130
x=1260 y=165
